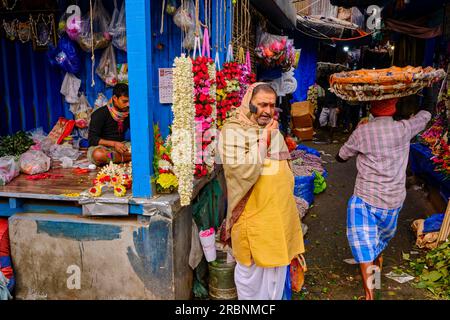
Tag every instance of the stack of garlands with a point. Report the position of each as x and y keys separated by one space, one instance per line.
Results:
x=115 y=176
x=165 y=179
x=228 y=90
x=205 y=113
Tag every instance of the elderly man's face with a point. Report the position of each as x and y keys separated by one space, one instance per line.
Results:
x=265 y=104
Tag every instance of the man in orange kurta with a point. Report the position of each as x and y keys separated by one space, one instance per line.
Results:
x=262 y=222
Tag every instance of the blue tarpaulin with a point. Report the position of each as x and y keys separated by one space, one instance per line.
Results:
x=421 y=165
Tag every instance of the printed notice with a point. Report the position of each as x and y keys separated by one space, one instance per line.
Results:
x=165 y=85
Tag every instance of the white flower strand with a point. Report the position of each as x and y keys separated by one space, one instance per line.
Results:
x=212 y=91
x=183 y=127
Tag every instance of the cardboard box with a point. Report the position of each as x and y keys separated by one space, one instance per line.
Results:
x=304 y=134
x=302 y=114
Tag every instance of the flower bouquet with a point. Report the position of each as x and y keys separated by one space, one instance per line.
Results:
x=275 y=51
x=165 y=179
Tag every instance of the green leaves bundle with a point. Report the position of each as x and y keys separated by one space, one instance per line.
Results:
x=16 y=144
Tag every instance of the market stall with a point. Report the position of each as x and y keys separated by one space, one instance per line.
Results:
x=51 y=194
x=187 y=70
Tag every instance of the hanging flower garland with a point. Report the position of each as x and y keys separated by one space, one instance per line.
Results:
x=247 y=78
x=183 y=127
x=205 y=110
x=210 y=135
x=228 y=91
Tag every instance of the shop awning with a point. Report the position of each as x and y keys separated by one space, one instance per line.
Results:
x=281 y=13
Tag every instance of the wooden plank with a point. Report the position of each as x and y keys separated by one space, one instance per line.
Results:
x=445 y=228
x=69 y=183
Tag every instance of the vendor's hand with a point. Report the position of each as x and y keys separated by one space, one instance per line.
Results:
x=120 y=147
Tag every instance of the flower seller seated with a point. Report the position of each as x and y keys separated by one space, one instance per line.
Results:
x=107 y=127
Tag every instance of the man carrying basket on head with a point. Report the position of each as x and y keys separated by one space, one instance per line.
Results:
x=382 y=149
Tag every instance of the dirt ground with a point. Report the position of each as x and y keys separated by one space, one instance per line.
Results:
x=328 y=276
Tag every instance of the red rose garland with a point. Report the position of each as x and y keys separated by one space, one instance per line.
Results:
x=228 y=88
x=204 y=108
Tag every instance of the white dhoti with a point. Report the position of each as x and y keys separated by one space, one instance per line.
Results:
x=257 y=283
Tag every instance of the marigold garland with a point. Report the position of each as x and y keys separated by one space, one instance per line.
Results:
x=183 y=149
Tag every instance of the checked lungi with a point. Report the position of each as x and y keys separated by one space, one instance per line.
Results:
x=369 y=229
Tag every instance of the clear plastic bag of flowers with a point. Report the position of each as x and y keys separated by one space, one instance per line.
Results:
x=107 y=68
x=171 y=7
x=100 y=24
x=184 y=18
x=271 y=48
x=189 y=39
x=118 y=28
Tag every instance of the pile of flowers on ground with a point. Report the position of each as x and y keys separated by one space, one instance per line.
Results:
x=165 y=179
x=203 y=69
x=183 y=126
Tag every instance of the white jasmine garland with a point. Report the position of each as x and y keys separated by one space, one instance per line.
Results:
x=212 y=92
x=183 y=126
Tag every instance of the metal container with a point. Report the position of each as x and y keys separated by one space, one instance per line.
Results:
x=221 y=278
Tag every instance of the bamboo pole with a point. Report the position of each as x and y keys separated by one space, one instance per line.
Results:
x=445 y=228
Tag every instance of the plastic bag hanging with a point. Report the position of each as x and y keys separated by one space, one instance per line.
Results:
x=171 y=7
x=118 y=29
x=82 y=112
x=107 y=68
x=184 y=18
x=230 y=55
x=65 y=55
x=95 y=29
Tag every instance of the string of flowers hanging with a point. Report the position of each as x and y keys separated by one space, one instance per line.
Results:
x=183 y=146
x=204 y=71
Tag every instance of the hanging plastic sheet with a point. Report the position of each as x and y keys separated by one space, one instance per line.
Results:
x=306 y=71
x=65 y=55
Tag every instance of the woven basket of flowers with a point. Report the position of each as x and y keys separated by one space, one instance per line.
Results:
x=381 y=84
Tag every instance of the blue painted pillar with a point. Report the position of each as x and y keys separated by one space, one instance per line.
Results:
x=139 y=49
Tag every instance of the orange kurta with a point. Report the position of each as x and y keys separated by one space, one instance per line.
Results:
x=269 y=232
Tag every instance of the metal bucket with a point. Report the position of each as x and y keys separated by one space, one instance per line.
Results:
x=221 y=279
